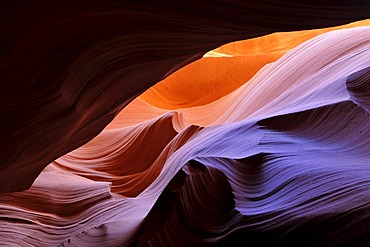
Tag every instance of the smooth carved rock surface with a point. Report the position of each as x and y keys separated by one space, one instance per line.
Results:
x=69 y=67
x=262 y=141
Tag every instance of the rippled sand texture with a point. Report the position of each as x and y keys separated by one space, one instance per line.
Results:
x=259 y=142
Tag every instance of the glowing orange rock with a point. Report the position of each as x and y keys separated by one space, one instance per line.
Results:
x=224 y=69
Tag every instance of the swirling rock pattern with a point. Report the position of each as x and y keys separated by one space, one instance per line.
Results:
x=68 y=68
x=276 y=152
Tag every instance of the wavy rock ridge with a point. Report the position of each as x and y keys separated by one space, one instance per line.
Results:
x=279 y=158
